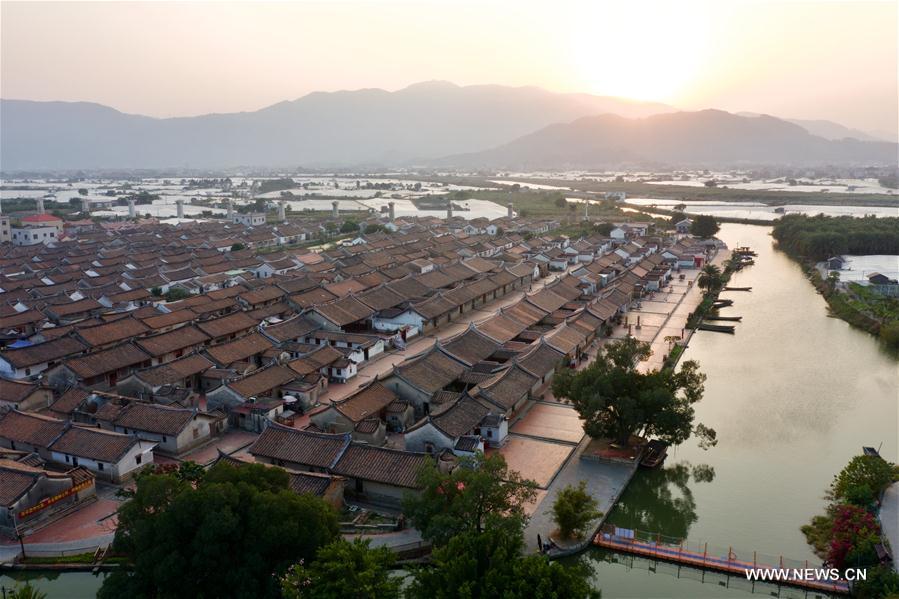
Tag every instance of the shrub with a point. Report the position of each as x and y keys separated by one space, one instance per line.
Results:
x=574 y=509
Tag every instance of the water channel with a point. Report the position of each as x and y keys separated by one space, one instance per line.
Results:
x=793 y=395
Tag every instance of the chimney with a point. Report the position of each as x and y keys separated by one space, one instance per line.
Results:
x=230 y=210
x=392 y=208
x=449 y=210
x=40 y=205
x=511 y=212
x=335 y=211
x=132 y=212
x=282 y=210
x=85 y=206
x=180 y=204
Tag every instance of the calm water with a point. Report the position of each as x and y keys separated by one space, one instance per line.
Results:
x=760 y=211
x=793 y=396
x=58 y=585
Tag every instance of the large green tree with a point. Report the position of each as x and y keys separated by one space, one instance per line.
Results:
x=490 y=564
x=344 y=569
x=479 y=494
x=573 y=509
x=704 y=226
x=616 y=400
x=231 y=533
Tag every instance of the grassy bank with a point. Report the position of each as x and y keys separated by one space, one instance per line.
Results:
x=860 y=307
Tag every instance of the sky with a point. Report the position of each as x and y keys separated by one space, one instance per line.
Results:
x=800 y=59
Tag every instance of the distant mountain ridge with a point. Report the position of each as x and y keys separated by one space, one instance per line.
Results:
x=431 y=123
x=346 y=128
x=702 y=138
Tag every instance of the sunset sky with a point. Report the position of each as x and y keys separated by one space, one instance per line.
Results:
x=823 y=60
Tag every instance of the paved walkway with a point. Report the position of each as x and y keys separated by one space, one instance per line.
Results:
x=605 y=482
x=889 y=520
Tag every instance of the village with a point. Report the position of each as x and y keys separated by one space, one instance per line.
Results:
x=350 y=364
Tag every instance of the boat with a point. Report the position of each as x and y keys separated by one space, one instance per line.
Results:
x=655 y=453
x=871 y=452
x=717 y=328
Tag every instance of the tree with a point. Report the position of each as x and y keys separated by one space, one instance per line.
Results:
x=82 y=191
x=26 y=591
x=603 y=228
x=238 y=247
x=349 y=226
x=343 y=569
x=372 y=228
x=704 y=226
x=574 y=509
x=863 y=480
x=480 y=494
x=560 y=202
x=676 y=217
x=491 y=565
x=710 y=278
x=223 y=536
x=177 y=293
x=615 y=400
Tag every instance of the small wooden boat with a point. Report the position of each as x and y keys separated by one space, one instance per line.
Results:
x=871 y=452
x=717 y=328
x=725 y=318
x=738 y=289
x=655 y=453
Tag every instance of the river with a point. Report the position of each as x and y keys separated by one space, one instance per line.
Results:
x=793 y=396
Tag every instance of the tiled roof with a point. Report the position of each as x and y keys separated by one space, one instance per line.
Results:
x=366 y=402
x=94 y=444
x=460 y=417
x=154 y=418
x=315 y=450
x=69 y=401
x=107 y=360
x=263 y=381
x=113 y=332
x=13 y=391
x=344 y=311
x=180 y=338
x=431 y=371
x=26 y=427
x=39 y=353
x=239 y=349
x=507 y=388
x=540 y=360
x=378 y=464
x=471 y=346
x=227 y=325
x=175 y=371
x=292 y=329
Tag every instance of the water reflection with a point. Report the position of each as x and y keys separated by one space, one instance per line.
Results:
x=661 y=500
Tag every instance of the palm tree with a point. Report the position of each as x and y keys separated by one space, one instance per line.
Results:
x=710 y=278
x=26 y=592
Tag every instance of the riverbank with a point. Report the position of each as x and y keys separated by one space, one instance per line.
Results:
x=793 y=395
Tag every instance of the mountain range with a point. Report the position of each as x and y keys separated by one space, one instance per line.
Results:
x=426 y=124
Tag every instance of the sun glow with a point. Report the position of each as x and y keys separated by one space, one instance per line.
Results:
x=644 y=51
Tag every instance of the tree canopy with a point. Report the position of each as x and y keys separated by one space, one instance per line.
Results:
x=616 y=400
x=343 y=569
x=231 y=533
x=820 y=237
x=704 y=226
x=481 y=493
x=574 y=509
x=490 y=564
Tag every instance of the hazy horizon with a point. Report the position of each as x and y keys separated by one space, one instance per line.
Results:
x=804 y=60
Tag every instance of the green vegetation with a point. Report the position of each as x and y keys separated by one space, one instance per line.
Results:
x=847 y=534
x=817 y=238
x=343 y=569
x=573 y=510
x=349 y=226
x=711 y=278
x=26 y=591
x=474 y=516
x=812 y=239
x=704 y=226
x=238 y=247
x=616 y=400
x=224 y=535
x=267 y=185
x=177 y=293
x=482 y=493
